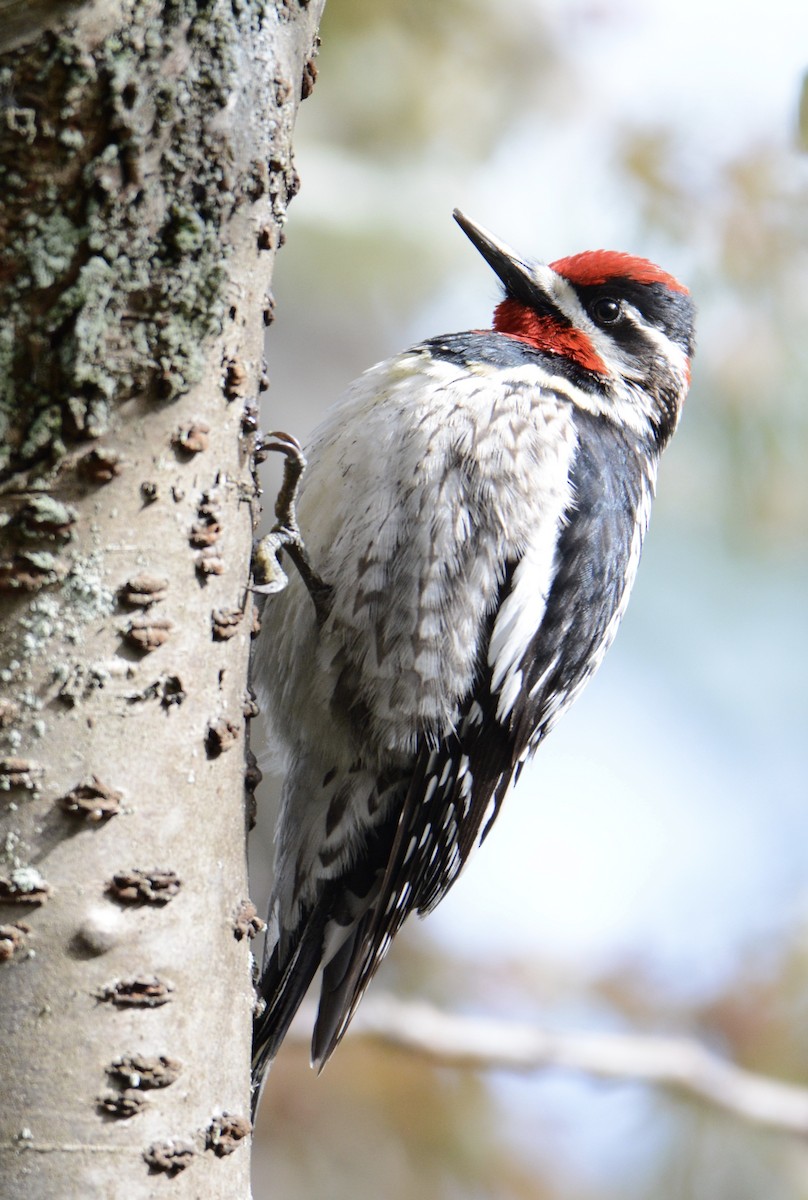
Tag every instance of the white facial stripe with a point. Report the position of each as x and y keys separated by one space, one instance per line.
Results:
x=619 y=361
x=611 y=352
x=669 y=349
x=563 y=295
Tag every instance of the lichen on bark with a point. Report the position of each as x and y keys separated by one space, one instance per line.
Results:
x=116 y=188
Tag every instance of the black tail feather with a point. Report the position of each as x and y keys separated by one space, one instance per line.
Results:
x=283 y=987
x=338 y=994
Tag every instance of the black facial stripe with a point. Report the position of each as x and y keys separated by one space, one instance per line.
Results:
x=630 y=335
x=669 y=311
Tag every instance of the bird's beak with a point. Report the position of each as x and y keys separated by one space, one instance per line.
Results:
x=530 y=283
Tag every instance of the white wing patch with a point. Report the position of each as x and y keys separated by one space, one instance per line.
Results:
x=521 y=613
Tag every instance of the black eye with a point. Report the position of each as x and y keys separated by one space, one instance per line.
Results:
x=606 y=311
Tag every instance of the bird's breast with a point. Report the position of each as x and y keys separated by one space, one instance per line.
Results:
x=426 y=483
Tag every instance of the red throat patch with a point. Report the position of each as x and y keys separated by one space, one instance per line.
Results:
x=545 y=333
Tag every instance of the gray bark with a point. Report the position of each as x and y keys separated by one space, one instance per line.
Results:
x=145 y=166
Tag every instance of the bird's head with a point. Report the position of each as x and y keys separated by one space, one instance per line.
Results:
x=622 y=325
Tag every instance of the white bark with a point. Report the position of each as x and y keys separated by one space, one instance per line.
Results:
x=145 y=165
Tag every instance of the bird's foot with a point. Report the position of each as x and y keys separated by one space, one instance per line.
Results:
x=268 y=574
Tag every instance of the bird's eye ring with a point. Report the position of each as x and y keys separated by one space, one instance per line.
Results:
x=606 y=310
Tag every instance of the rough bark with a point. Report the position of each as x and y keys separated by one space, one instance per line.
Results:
x=145 y=165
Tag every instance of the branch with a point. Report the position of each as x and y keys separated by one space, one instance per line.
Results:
x=678 y=1064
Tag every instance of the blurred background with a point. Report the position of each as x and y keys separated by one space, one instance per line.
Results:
x=650 y=873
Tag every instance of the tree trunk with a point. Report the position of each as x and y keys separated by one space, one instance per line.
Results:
x=145 y=165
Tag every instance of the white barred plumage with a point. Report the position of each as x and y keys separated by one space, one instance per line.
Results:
x=474 y=509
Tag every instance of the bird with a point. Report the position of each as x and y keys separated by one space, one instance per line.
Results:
x=468 y=521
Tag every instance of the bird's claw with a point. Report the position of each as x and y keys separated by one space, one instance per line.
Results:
x=268 y=574
x=284 y=443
